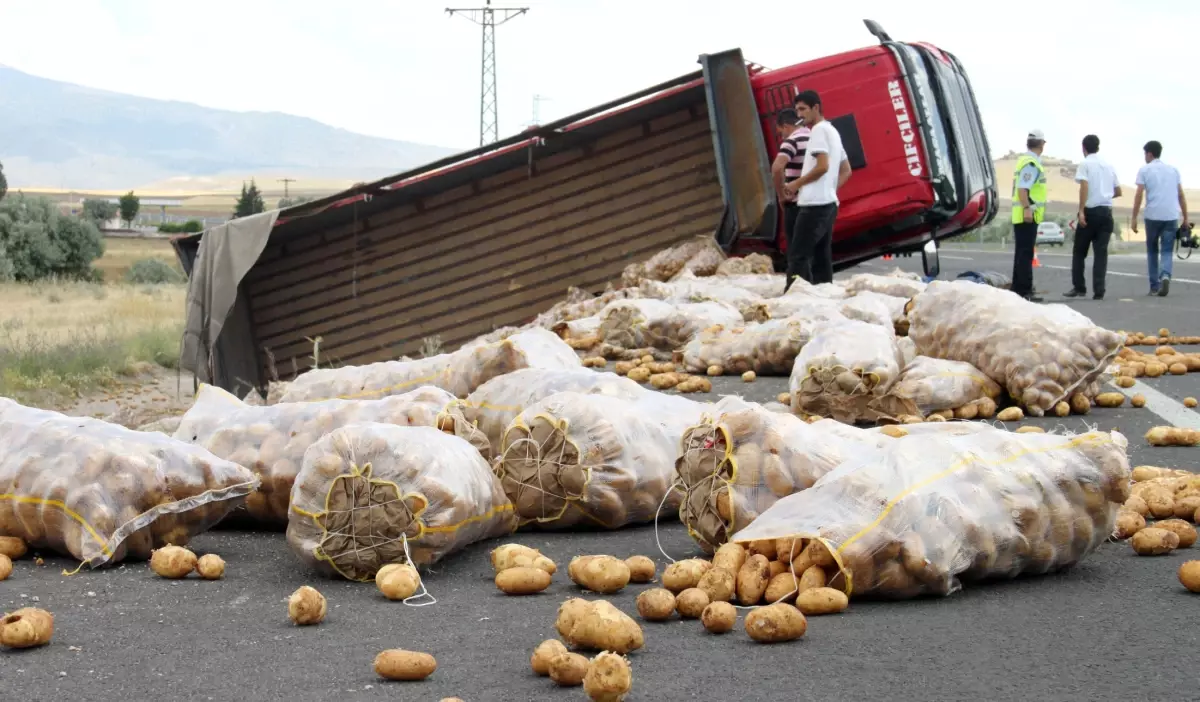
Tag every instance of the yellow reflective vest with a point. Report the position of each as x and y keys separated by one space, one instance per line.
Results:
x=1037 y=194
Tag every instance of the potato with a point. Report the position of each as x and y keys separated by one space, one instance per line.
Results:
x=172 y=562
x=1172 y=436
x=544 y=653
x=1128 y=524
x=516 y=555
x=522 y=581
x=1010 y=414
x=639 y=375
x=718 y=584
x=1189 y=402
x=987 y=407
x=1186 y=532
x=398 y=581
x=1062 y=409
x=1138 y=400
x=894 y=431
x=765 y=547
x=1029 y=430
x=775 y=623
x=210 y=566
x=570 y=612
x=784 y=398
x=813 y=577
x=1110 y=399
x=782 y=588
x=1152 y=541
x=12 y=546
x=641 y=569
x=822 y=600
x=1080 y=404
x=681 y=575
x=568 y=669
x=749 y=377
x=715 y=370
x=718 y=617
x=1155 y=369
x=730 y=556
x=608 y=678
x=306 y=606
x=1185 y=507
x=594 y=362
x=1125 y=381
x=656 y=604
x=600 y=574
x=1137 y=504
x=1189 y=575
x=1160 y=502
x=5 y=567
x=775 y=568
x=601 y=626
x=752 y=579
x=398 y=664
x=27 y=627
x=691 y=602
x=1178 y=369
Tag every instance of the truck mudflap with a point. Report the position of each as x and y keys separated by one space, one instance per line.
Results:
x=751 y=209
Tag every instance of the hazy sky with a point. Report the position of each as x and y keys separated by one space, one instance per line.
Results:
x=404 y=69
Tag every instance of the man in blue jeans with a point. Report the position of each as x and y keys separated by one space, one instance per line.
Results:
x=1163 y=190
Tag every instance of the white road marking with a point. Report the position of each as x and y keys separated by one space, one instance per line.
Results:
x=955 y=258
x=1171 y=411
x=1130 y=275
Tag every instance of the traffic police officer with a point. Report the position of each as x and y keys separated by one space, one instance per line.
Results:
x=1028 y=211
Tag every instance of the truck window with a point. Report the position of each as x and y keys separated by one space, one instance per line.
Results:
x=851 y=141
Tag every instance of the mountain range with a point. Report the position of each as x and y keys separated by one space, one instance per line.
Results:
x=64 y=136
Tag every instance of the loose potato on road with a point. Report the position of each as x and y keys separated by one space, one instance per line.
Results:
x=730 y=556
x=1138 y=504
x=522 y=581
x=26 y=628
x=1128 y=524
x=1125 y=381
x=749 y=377
x=1030 y=430
x=172 y=562
x=1110 y=399
x=1189 y=575
x=656 y=604
x=516 y=555
x=781 y=588
x=1010 y=414
x=1185 y=531
x=1152 y=541
x=398 y=664
x=602 y=574
x=681 y=575
x=691 y=602
x=1173 y=436
x=1189 y=402
x=776 y=623
x=598 y=625
x=718 y=617
x=544 y=653
x=568 y=669
x=608 y=678
x=12 y=546
x=822 y=600
x=752 y=579
x=718 y=584
x=306 y=606
x=641 y=569
x=1138 y=400
x=398 y=581
x=210 y=566
x=5 y=567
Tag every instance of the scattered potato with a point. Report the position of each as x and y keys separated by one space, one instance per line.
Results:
x=970 y=411
x=398 y=581
x=730 y=556
x=516 y=556
x=715 y=370
x=765 y=547
x=1138 y=400
x=691 y=602
x=600 y=574
x=1189 y=575
x=1080 y=404
x=646 y=359
x=641 y=569
x=1110 y=399
x=812 y=577
x=1177 y=369
x=1189 y=402
x=639 y=375
x=306 y=606
x=1125 y=381
x=1173 y=436
x=1152 y=541
x=1010 y=414
x=26 y=628
x=1164 y=332
x=1029 y=430
x=718 y=617
x=544 y=653
x=784 y=398
x=1128 y=524
x=1062 y=409
x=1155 y=369
x=210 y=566
x=172 y=562
x=749 y=377
x=718 y=584
x=608 y=678
x=681 y=575
x=568 y=669
x=987 y=407
x=398 y=664
x=776 y=623
x=656 y=604
x=12 y=546
x=752 y=579
x=598 y=625
x=782 y=588
x=1186 y=532
x=522 y=581
x=936 y=417
x=623 y=367
x=822 y=600
x=5 y=567
x=594 y=362
x=1138 y=504
x=1185 y=507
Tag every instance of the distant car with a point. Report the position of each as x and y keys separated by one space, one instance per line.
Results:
x=1050 y=234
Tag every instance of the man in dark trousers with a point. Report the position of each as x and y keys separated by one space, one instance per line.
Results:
x=789 y=163
x=1028 y=211
x=825 y=170
x=1097 y=187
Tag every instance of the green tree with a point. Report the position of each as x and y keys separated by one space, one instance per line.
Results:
x=250 y=202
x=100 y=211
x=3 y=182
x=129 y=206
x=38 y=242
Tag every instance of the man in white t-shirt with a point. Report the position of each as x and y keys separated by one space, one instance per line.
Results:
x=1165 y=202
x=1097 y=187
x=810 y=248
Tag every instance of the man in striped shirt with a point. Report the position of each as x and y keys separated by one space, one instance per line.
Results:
x=793 y=136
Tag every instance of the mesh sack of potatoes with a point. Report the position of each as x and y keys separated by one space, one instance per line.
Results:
x=891 y=285
x=825 y=291
x=474 y=365
x=637 y=324
x=765 y=285
x=752 y=307
x=102 y=493
x=372 y=494
x=580 y=304
x=769 y=348
x=1040 y=354
x=594 y=460
x=371 y=381
x=869 y=309
x=271 y=440
x=750 y=264
x=496 y=403
x=742 y=458
x=579 y=334
x=932 y=384
x=845 y=366
x=813 y=309
x=700 y=254
x=929 y=512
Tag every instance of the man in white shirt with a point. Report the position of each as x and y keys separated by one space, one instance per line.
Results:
x=1097 y=187
x=1163 y=189
x=810 y=250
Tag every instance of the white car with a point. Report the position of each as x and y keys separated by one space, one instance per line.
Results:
x=1050 y=234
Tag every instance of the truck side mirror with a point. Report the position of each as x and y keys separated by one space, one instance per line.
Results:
x=929 y=259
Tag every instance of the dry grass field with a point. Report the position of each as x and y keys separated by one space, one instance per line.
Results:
x=121 y=253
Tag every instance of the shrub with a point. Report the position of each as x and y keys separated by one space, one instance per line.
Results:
x=41 y=243
x=192 y=226
x=152 y=271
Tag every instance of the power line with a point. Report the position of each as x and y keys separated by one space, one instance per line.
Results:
x=485 y=17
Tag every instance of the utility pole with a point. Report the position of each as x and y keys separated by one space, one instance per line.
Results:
x=285 y=182
x=537 y=111
x=485 y=17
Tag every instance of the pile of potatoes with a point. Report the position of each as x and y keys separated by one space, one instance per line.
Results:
x=637 y=324
x=1040 y=354
x=580 y=334
x=1159 y=515
x=842 y=368
x=1163 y=361
x=769 y=348
x=750 y=264
x=575 y=459
x=271 y=440
x=701 y=255
x=475 y=364
x=1164 y=336
x=662 y=375
x=890 y=285
x=742 y=459
x=372 y=494
x=102 y=493
x=930 y=511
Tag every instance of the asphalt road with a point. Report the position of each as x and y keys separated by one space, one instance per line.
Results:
x=1114 y=627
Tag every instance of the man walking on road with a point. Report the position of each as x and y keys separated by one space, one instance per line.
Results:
x=825 y=170
x=1028 y=211
x=1097 y=187
x=1164 y=203
x=789 y=164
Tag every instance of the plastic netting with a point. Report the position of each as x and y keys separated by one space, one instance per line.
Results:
x=637 y=324
x=843 y=367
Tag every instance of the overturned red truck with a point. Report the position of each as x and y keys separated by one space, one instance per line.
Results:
x=490 y=237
